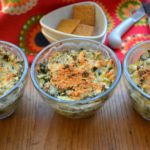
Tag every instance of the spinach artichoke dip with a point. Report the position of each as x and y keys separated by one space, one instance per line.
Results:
x=76 y=74
x=140 y=72
x=11 y=69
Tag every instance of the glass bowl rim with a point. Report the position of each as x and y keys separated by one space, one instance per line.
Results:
x=83 y=101
x=25 y=68
x=127 y=74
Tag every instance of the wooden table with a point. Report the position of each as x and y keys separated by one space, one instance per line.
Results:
x=35 y=126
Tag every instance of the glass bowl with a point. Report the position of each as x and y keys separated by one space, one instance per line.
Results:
x=140 y=100
x=75 y=108
x=10 y=99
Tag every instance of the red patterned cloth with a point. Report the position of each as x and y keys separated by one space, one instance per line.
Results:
x=19 y=22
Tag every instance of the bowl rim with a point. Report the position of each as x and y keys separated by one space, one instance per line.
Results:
x=88 y=100
x=73 y=35
x=47 y=35
x=127 y=74
x=24 y=72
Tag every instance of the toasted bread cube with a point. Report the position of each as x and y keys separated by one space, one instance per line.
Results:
x=84 y=30
x=68 y=25
x=85 y=13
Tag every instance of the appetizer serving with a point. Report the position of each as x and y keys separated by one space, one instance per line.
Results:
x=137 y=72
x=76 y=74
x=11 y=69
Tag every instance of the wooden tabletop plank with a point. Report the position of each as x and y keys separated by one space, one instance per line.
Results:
x=35 y=126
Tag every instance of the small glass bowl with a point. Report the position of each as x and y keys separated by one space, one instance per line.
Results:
x=76 y=108
x=10 y=99
x=140 y=100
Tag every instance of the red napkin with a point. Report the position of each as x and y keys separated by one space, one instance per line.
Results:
x=19 y=22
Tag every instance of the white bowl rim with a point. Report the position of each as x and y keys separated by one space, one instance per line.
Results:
x=50 y=37
x=73 y=35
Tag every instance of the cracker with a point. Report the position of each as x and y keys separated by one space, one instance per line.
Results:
x=85 y=13
x=84 y=30
x=68 y=25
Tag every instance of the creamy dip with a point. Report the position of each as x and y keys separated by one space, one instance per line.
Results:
x=140 y=72
x=76 y=74
x=11 y=69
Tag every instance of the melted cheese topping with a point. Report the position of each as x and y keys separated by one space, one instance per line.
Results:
x=140 y=72
x=76 y=75
x=10 y=69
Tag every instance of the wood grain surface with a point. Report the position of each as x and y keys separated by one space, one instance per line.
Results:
x=35 y=126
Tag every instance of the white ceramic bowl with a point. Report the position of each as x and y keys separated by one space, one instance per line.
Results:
x=50 y=21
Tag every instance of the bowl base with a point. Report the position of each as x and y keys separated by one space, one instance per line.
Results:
x=77 y=116
x=5 y=115
x=148 y=119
